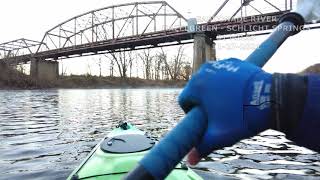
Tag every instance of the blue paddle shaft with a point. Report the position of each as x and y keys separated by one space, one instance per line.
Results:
x=176 y=144
x=266 y=50
x=163 y=158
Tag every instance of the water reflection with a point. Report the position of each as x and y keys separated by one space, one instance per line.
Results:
x=46 y=134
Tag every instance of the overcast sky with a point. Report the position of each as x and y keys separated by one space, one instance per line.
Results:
x=32 y=18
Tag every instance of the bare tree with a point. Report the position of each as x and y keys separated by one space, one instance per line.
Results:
x=130 y=64
x=129 y=61
x=186 y=71
x=62 y=69
x=123 y=59
x=158 y=65
x=64 y=72
x=174 y=67
x=21 y=68
x=161 y=59
x=111 y=67
x=147 y=62
x=99 y=63
x=88 y=69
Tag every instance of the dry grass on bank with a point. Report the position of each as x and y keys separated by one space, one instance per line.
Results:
x=113 y=82
x=13 y=79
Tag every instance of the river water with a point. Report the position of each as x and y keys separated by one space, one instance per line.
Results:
x=45 y=134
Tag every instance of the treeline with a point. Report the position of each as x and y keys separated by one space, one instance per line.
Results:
x=155 y=64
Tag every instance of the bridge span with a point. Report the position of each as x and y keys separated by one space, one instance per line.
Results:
x=133 y=26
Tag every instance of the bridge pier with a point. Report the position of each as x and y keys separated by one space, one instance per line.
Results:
x=203 y=50
x=44 y=70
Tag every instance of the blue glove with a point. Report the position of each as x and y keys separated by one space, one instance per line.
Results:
x=235 y=96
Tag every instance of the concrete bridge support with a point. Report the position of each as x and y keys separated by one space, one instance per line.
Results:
x=203 y=50
x=44 y=70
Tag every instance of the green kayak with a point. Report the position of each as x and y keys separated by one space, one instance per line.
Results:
x=118 y=153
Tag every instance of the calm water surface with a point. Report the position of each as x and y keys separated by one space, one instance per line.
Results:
x=46 y=134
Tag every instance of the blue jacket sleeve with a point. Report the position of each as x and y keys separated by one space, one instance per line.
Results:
x=307 y=132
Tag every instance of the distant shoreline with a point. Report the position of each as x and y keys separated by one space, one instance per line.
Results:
x=13 y=79
x=85 y=82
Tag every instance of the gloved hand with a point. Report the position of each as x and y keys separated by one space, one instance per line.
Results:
x=235 y=96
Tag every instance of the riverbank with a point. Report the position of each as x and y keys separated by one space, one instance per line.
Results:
x=113 y=82
x=12 y=79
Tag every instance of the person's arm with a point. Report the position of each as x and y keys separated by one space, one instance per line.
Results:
x=240 y=100
x=296 y=110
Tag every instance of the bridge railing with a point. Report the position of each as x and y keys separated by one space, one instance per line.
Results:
x=229 y=9
x=22 y=48
x=113 y=23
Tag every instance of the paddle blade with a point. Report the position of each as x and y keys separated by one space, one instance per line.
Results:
x=309 y=9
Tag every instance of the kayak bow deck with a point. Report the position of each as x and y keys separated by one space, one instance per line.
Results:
x=118 y=153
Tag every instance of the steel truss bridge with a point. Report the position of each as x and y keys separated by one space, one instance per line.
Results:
x=135 y=26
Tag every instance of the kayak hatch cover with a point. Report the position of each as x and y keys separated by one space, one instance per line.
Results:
x=118 y=153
